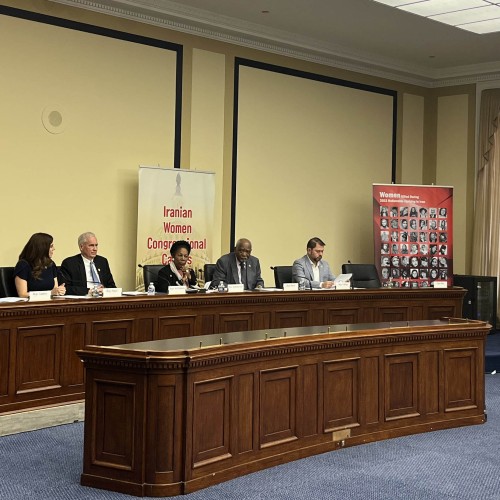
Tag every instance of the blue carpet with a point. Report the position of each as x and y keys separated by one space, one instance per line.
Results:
x=461 y=463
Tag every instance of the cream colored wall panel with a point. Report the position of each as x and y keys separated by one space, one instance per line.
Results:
x=207 y=126
x=412 y=139
x=308 y=153
x=117 y=103
x=451 y=169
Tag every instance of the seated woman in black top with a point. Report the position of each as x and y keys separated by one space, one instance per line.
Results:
x=176 y=273
x=36 y=270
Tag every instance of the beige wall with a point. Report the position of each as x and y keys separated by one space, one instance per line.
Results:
x=308 y=154
x=124 y=117
x=207 y=126
x=452 y=166
x=116 y=100
x=412 y=143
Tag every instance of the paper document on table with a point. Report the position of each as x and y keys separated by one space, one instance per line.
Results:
x=12 y=299
x=342 y=278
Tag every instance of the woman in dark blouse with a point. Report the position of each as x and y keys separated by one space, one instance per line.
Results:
x=177 y=273
x=36 y=270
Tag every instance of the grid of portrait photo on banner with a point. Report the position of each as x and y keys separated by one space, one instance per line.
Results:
x=413 y=235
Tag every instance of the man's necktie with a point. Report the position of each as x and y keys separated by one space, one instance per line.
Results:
x=93 y=272
x=244 y=275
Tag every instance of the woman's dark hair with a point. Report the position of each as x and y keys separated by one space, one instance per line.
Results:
x=180 y=244
x=36 y=253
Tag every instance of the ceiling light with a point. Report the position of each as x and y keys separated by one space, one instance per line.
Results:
x=478 y=16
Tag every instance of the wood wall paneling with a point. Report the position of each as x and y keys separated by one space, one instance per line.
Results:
x=401 y=397
x=38 y=358
x=171 y=327
x=433 y=390
x=461 y=373
x=58 y=328
x=245 y=410
x=112 y=332
x=345 y=316
x=278 y=406
x=4 y=362
x=115 y=415
x=310 y=400
x=291 y=318
x=218 y=412
x=73 y=339
x=341 y=394
x=393 y=313
x=145 y=329
x=211 y=425
x=235 y=322
x=370 y=390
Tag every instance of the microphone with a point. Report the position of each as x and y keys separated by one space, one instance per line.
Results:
x=352 y=285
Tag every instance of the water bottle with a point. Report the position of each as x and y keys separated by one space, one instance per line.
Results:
x=302 y=284
x=151 y=289
x=221 y=287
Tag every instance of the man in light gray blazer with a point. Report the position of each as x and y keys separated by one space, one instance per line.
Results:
x=238 y=267
x=311 y=268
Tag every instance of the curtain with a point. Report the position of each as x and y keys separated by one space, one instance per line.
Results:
x=486 y=242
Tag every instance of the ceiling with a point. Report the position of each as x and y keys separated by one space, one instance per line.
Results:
x=359 y=35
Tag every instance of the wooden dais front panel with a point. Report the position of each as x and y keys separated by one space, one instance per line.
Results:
x=217 y=412
x=39 y=367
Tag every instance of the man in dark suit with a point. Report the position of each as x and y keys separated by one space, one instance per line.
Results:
x=87 y=270
x=238 y=267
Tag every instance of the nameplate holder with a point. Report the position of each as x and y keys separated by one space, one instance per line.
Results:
x=39 y=295
x=440 y=284
x=343 y=285
x=112 y=292
x=176 y=290
x=290 y=287
x=235 y=288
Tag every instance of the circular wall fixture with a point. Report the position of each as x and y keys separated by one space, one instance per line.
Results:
x=53 y=119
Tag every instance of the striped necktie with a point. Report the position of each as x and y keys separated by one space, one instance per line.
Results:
x=93 y=272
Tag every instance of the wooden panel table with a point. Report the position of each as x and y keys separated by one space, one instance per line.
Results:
x=39 y=367
x=168 y=417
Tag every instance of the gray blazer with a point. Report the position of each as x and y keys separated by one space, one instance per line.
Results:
x=226 y=270
x=302 y=269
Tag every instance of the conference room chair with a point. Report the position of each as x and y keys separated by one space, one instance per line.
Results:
x=150 y=273
x=208 y=272
x=282 y=274
x=363 y=275
x=7 y=283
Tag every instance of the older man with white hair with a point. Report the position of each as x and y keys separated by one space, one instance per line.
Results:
x=87 y=270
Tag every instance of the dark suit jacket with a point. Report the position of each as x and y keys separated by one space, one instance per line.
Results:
x=226 y=270
x=72 y=272
x=166 y=278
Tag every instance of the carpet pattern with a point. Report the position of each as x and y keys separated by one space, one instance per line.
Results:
x=462 y=463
